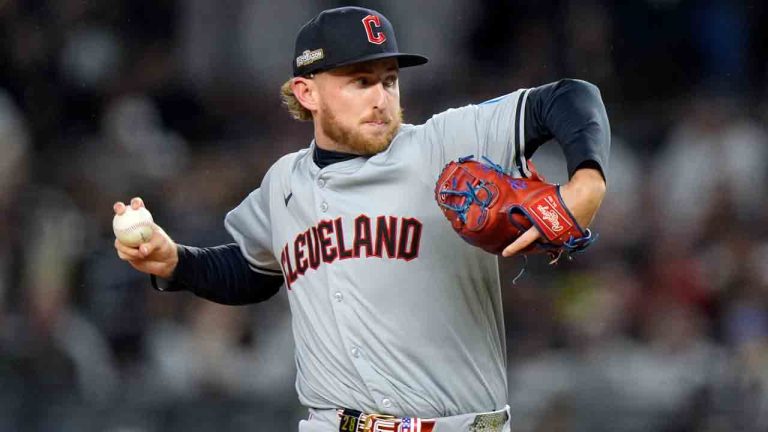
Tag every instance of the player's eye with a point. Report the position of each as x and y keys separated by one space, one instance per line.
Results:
x=390 y=81
x=362 y=81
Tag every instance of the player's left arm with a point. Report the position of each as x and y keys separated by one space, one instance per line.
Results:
x=573 y=113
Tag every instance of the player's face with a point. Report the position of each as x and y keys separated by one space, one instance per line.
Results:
x=359 y=106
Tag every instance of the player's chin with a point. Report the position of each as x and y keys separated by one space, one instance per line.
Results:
x=375 y=139
x=375 y=147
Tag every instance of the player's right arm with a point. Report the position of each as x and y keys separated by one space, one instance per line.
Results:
x=159 y=256
x=219 y=274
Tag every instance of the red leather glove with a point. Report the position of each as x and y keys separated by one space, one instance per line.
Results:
x=489 y=209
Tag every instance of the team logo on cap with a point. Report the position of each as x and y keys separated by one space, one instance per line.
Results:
x=374 y=36
x=308 y=57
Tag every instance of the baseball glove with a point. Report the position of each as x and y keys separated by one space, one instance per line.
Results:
x=489 y=209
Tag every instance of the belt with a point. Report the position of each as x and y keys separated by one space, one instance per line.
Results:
x=355 y=421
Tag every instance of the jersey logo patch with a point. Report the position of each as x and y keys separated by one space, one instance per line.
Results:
x=287 y=198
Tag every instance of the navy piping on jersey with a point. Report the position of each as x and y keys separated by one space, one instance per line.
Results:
x=520 y=159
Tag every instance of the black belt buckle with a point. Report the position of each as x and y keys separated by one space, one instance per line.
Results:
x=350 y=419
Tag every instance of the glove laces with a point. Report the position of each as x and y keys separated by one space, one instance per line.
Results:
x=470 y=194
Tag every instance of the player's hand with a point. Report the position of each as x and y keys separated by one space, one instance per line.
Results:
x=582 y=195
x=158 y=256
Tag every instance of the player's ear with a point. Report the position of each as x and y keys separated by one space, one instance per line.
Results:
x=305 y=90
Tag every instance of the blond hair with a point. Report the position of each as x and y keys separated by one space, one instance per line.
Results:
x=295 y=108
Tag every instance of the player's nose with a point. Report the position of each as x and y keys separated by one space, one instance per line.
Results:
x=380 y=96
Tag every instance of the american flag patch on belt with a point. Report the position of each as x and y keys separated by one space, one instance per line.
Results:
x=409 y=425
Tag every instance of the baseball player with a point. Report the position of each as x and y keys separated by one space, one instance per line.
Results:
x=397 y=322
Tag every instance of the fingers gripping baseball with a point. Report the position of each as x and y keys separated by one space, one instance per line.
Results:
x=151 y=251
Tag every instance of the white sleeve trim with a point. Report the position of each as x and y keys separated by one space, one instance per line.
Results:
x=522 y=163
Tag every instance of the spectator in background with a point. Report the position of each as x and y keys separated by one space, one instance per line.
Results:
x=576 y=385
x=715 y=161
x=60 y=359
x=741 y=401
x=132 y=149
x=218 y=351
x=15 y=149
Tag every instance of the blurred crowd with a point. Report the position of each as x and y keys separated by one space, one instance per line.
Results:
x=661 y=326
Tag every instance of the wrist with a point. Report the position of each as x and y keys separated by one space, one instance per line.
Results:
x=583 y=195
x=587 y=181
x=168 y=270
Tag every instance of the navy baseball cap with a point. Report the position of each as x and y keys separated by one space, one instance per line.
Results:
x=347 y=35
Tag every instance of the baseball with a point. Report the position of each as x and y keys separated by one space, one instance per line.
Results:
x=133 y=227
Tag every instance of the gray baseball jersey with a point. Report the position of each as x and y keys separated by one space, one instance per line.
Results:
x=392 y=312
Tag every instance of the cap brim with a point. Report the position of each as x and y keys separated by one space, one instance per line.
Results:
x=408 y=60
x=403 y=60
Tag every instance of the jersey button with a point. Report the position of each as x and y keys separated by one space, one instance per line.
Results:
x=324 y=207
x=338 y=296
x=387 y=403
x=321 y=183
x=355 y=352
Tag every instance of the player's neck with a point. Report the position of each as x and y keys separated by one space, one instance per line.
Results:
x=325 y=142
x=323 y=158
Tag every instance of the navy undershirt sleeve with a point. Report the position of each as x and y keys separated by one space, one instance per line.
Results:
x=572 y=112
x=219 y=274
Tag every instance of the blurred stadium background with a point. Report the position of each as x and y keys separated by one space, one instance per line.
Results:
x=661 y=326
